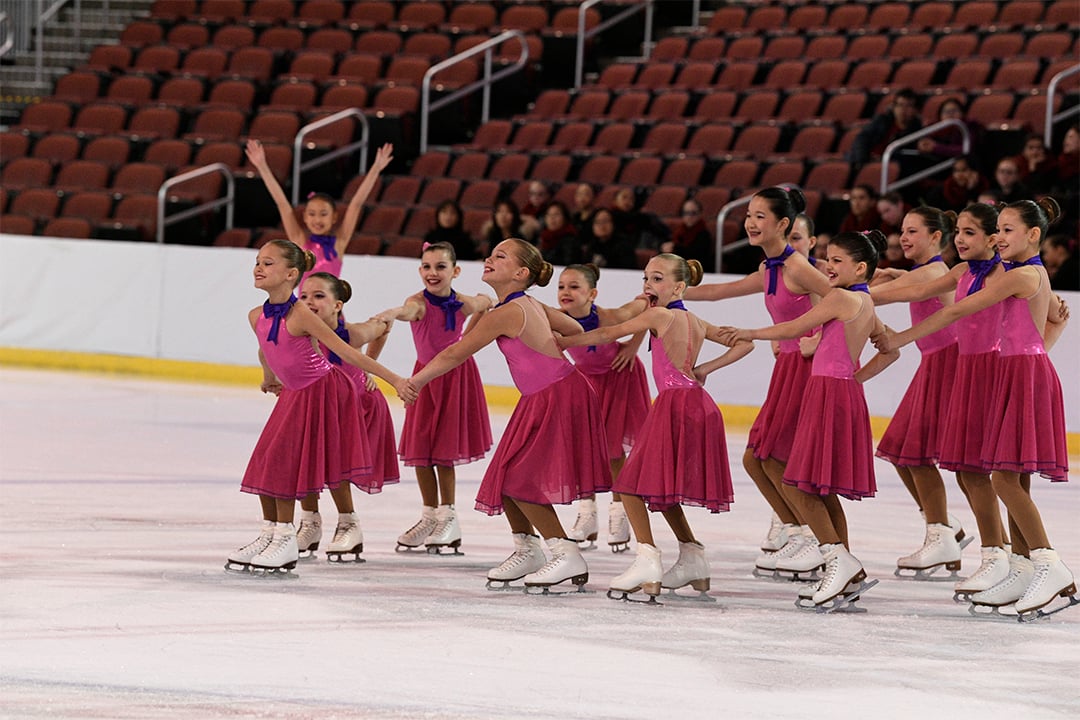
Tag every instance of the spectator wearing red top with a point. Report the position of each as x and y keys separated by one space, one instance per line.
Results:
x=559 y=243
x=863 y=214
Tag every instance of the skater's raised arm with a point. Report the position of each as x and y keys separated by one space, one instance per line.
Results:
x=383 y=157
x=257 y=155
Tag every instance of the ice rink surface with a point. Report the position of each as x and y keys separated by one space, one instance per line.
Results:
x=121 y=501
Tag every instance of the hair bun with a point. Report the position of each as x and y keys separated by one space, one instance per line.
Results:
x=309 y=260
x=346 y=290
x=1051 y=207
x=877 y=239
x=798 y=199
x=696 y=272
x=544 y=276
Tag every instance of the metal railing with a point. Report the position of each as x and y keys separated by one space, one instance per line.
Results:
x=298 y=145
x=8 y=31
x=428 y=106
x=721 y=217
x=1051 y=93
x=227 y=201
x=583 y=34
x=886 y=157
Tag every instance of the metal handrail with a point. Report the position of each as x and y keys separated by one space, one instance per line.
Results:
x=1051 y=93
x=583 y=35
x=720 y=218
x=298 y=167
x=886 y=157
x=227 y=201
x=487 y=47
x=9 y=39
x=44 y=16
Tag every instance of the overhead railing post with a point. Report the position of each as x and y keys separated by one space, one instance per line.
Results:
x=721 y=217
x=1051 y=93
x=8 y=32
x=635 y=6
x=227 y=201
x=44 y=16
x=299 y=167
x=884 y=186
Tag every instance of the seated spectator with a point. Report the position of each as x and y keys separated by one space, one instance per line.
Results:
x=1035 y=164
x=606 y=247
x=949 y=142
x=505 y=223
x=532 y=213
x=584 y=197
x=961 y=188
x=559 y=243
x=902 y=118
x=894 y=254
x=892 y=208
x=1007 y=182
x=1067 y=166
x=862 y=214
x=645 y=230
x=691 y=238
x=1062 y=263
x=448 y=229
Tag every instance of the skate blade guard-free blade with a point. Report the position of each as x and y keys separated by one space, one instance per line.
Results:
x=627 y=596
x=419 y=549
x=1041 y=613
x=929 y=574
x=504 y=585
x=800 y=576
x=586 y=544
x=308 y=554
x=619 y=547
x=546 y=588
x=285 y=572
x=453 y=548
x=701 y=596
x=845 y=601
x=237 y=568
x=991 y=612
x=345 y=557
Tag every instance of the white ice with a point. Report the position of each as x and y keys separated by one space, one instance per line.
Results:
x=121 y=500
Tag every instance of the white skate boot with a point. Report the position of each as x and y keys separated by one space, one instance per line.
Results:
x=415 y=536
x=690 y=569
x=280 y=556
x=309 y=534
x=445 y=538
x=528 y=557
x=804 y=563
x=1051 y=579
x=842 y=570
x=646 y=574
x=765 y=565
x=939 y=549
x=348 y=540
x=962 y=538
x=585 y=527
x=618 y=528
x=806 y=596
x=240 y=560
x=778 y=535
x=565 y=564
x=994 y=569
x=1006 y=592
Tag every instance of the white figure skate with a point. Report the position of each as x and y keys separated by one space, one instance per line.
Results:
x=309 y=533
x=645 y=574
x=1052 y=579
x=803 y=564
x=585 y=526
x=280 y=556
x=939 y=549
x=239 y=560
x=445 y=538
x=842 y=570
x=415 y=536
x=618 y=528
x=994 y=569
x=348 y=540
x=989 y=602
x=565 y=564
x=528 y=557
x=778 y=535
x=690 y=569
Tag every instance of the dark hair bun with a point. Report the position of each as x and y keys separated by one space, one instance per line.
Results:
x=798 y=200
x=877 y=239
x=346 y=290
x=309 y=260
x=696 y=272
x=1051 y=207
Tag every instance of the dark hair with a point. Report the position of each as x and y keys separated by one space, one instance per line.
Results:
x=456 y=208
x=865 y=247
x=561 y=206
x=340 y=289
x=985 y=216
x=444 y=247
x=784 y=203
x=1039 y=214
x=295 y=257
x=514 y=210
x=908 y=94
x=688 y=271
x=596 y=214
x=971 y=160
x=868 y=189
x=529 y=256
x=806 y=219
x=954 y=100
x=324 y=197
x=590 y=272
x=937 y=221
x=893 y=197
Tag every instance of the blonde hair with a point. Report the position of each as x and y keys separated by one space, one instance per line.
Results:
x=687 y=271
x=540 y=270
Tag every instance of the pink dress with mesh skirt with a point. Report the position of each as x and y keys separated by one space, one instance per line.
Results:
x=773 y=430
x=375 y=420
x=913 y=437
x=1025 y=430
x=624 y=395
x=448 y=424
x=833 y=452
x=553 y=450
x=681 y=454
x=312 y=438
x=978 y=341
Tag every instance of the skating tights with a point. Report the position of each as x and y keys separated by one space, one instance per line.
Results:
x=1025 y=523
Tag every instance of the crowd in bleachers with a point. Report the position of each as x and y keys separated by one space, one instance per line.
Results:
x=806 y=92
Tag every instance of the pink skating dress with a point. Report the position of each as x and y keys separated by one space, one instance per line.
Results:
x=448 y=424
x=773 y=430
x=624 y=395
x=913 y=437
x=553 y=450
x=375 y=420
x=312 y=438
x=833 y=452
x=978 y=340
x=681 y=454
x=326 y=256
x=1025 y=430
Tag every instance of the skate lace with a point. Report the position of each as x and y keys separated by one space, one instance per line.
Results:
x=257 y=545
x=831 y=569
x=616 y=524
x=1042 y=571
x=308 y=529
x=342 y=530
x=421 y=528
x=581 y=522
x=275 y=546
x=520 y=557
x=440 y=527
x=551 y=564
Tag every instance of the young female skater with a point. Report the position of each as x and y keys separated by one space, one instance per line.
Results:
x=320 y=213
x=619 y=379
x=313 y=437
x=680 y=457
x=832 y=451
x=1025 y=430
x=788 y=281
x=553 y=448
x=325 y=295
x=978 y=339
x=448 y=425
x=912 y=441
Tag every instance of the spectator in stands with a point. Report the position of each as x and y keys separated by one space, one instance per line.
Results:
x=559 y=243
x=1037 y=167
x=532 y=213
x=949 y=142
x=645 y=230
x=961 y=188
x=448 y=229
x=584 y=197
x=901 y=119
x=1067 y=166
x=691 y=239
x=606 y=247
x=1062 y=262
x=862 y=214
x=894 y=254
x=1007 y=182
x=892 y=209
x=505 y=223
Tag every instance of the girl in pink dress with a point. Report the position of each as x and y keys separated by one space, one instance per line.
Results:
x=788 y=282
x=448 y=425
x=832 y=451
x=680 y=457
x=553 y=449
x=313 y=436
x=325 y=295
x=1025 y=430
x=618 y=377
x=978 y=339
x=320 y=212
x=911 y=442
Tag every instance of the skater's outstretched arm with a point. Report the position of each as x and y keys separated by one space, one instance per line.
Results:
x=722 y=291
x=383 y=157
x=412 y=309
x=257 y=155
x=914 y=287
x=505 y=320
x=880 y=361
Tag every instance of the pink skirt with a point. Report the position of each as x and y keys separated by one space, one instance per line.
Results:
x=773 y=430
x=448 y=424
x=552 y=451
x=312 y=440
x=375 y=419
x=964 y=425
x=833 y=452
x=624 y=403
x=1025 y=430
x=913 y=438
x=681 y=455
